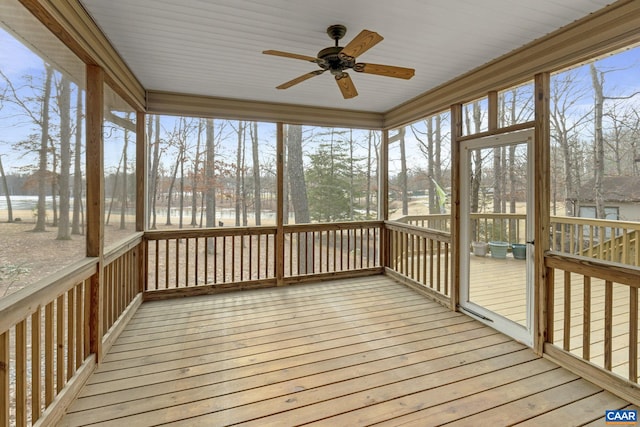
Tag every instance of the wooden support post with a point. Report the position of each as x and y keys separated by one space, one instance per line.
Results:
x=541 y=217
x=456 y=134
x=95 y=200
x=383 y=198
x=493 y=110
x=141 y=197
x=141 y=171
x=279 y=252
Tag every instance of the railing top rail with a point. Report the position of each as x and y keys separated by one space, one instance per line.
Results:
x=594 y=221
x=441 y=236
x=422 y=217
x=18 y=306
x=115 y=251
x=188 y=233
x=605 y=270
x=350 y=225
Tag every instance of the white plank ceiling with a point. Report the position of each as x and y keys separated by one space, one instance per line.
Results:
x=214 y=47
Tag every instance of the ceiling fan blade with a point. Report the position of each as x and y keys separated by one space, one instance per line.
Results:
x=290 y=55
x=385 y=70
x=360 y=44
x=300 y=79
x=346 y=86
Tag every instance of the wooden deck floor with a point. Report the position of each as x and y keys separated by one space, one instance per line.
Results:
x=342 y=353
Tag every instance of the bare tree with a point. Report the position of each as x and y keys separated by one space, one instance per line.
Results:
x=257 y=185
x=597 y=79
x=44 y=138
x=5 y=189
x=210 y=157
x=153 y=133
x=567 y=121
x=77 y=168
x=403 y=171
x=64 y=102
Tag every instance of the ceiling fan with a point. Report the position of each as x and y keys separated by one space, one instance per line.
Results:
x=336 y=59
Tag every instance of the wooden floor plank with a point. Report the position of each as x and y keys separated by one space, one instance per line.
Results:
x=349 y=352
x=583 y=411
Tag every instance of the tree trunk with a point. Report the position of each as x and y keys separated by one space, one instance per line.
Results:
x=124 y=201
x=210 y=196
x=368 y=193
x=44 y=139
x=598 y=141
x=153 y=173
x=171 y=185
x=403 y=173
x=257 y=185
x=238 y=205
x=5 y=189
x=77 y=168
x=195 y=179
x=64 y=102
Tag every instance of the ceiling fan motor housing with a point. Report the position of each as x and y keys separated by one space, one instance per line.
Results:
x=330 y=60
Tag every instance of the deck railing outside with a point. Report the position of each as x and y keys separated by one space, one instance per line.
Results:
x=49 y=332
x=608 y=240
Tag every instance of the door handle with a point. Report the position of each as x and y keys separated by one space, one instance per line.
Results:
x=531 y=242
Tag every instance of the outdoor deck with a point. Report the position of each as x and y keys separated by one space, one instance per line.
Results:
x=346 y=352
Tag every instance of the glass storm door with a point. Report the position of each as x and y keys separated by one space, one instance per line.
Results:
x=496 y=232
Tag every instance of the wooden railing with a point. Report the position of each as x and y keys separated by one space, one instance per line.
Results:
x=421 y=256
x=213 y=259
x=609 y=240
x=328 y=249
x=592 y=309
x=180 y=259
x=50 y=334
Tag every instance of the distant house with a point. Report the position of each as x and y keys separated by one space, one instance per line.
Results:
x=621 y=198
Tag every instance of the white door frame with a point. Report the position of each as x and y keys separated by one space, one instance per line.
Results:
x=509 y=327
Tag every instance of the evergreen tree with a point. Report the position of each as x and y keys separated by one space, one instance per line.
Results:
x=328 y=183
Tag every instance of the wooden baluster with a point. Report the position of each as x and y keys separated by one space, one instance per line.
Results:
x=439 y=267
x=586 y=324
x=4 y=378
x=48 y=354
x=60 y=343
x=21 y=373
x=633 y=334
x=224 y=259
x=608 y=324
x=215 y=260
x=197 y=256
x=36 y=325
x=206 y=260
x=187 y=264
x=424 y=258
x=71 y=332
x=241 y=257
x=166 y=264
x=431 y=262
x=258 y=255
x=177 y=264
x=335 y=250
x=567 y=311
x=446 y=268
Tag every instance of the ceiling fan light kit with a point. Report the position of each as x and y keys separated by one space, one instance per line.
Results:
x=336 y=59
